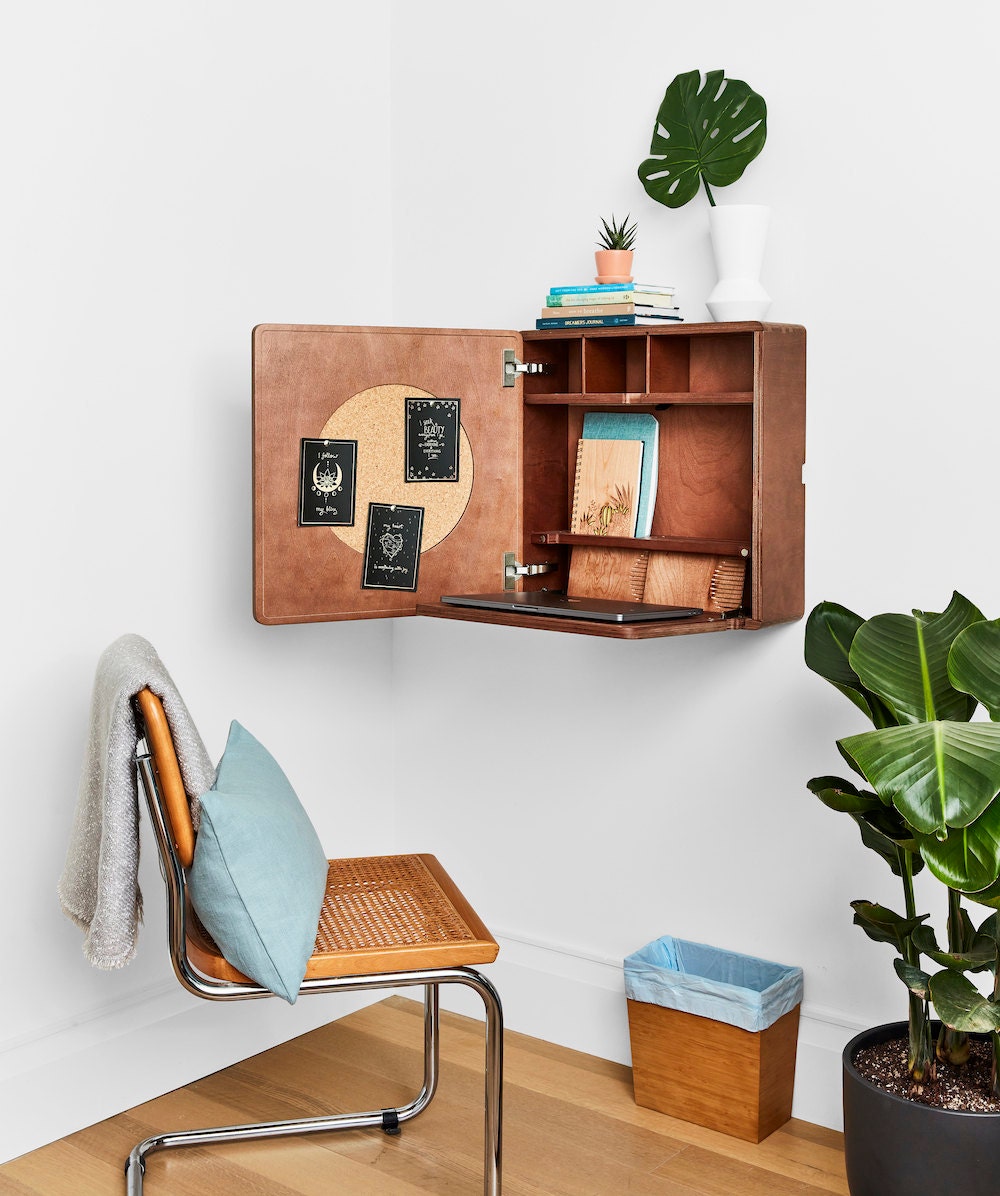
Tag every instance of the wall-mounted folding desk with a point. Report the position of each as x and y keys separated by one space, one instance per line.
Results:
x=494 y=494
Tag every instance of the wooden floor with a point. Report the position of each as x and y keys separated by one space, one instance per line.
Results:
x=570 y=1127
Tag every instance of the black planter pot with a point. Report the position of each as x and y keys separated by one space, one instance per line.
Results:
x=894 y=1146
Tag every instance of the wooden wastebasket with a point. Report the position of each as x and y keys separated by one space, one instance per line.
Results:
x=719 y=1076
x=707 y=1071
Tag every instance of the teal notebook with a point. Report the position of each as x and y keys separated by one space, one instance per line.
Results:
x=632 y=425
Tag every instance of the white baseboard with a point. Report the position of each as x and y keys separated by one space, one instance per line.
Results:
x=577 y=1000
x=75 y=1075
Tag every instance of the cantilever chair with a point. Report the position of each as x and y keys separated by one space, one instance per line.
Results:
x=411 y=926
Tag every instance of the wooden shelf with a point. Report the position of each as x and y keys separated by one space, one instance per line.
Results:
x=647 y=543
x=644 y=399
x=697 y=625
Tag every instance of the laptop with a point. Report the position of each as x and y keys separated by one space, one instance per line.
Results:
x=601 y=610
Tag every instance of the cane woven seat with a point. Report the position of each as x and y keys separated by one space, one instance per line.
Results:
x=380 y=913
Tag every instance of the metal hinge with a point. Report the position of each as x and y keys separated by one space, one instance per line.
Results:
x=512 y=367
x=512 y=570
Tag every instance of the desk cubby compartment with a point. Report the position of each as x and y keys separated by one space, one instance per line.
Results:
x=614 y=365
x=561 y=364
x=717 y=367
x=729 y=400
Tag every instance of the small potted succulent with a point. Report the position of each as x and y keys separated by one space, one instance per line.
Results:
x=614 y=257
x=931 y=1121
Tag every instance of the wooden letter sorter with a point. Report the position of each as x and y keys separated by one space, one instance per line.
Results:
x=730 y=402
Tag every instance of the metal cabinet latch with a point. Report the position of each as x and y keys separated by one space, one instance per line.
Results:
x=512 y=367
x=512 y=570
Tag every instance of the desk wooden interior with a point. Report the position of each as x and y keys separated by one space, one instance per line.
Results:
x=729 y=400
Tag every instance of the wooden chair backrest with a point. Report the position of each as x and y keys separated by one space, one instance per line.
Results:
x=160 y=743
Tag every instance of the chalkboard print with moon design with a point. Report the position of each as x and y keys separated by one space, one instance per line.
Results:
x=376 y=419
x=432 y=439
x=326 y=483
x=392 y=547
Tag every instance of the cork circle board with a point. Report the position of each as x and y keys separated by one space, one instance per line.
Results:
x=376 y=419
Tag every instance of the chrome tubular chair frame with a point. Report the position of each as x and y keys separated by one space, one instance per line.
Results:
x=388 y=1120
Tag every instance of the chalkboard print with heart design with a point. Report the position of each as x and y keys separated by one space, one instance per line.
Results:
x=392 y=547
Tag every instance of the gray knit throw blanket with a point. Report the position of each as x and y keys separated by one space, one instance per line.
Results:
x=99 y=887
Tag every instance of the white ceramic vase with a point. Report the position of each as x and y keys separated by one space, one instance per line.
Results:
x=739 y=234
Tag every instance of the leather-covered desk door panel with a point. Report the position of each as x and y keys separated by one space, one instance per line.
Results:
x=343 y=383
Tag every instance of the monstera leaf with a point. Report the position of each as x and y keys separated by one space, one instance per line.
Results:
x=709 y=131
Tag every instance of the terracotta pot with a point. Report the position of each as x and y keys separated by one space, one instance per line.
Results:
x=894 y=1146
x=613 y=265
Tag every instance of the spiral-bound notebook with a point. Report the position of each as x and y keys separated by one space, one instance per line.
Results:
x=606 y=491
x=632 y=425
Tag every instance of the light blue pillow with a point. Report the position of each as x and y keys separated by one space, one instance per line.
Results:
x=259 y=871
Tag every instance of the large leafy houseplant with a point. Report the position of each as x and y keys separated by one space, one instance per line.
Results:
x=707 y=131
x=934 y=777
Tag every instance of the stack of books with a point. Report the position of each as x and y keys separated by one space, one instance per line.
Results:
x=608 y=305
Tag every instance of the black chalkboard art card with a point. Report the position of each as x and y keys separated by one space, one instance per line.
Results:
x=392 y=547
x=327 y=483
x=432 y=427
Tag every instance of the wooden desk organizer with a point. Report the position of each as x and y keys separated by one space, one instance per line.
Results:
x=727 y=532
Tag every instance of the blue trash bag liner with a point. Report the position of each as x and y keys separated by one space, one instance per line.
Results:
x=723 y=985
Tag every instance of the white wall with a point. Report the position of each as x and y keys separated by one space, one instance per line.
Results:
x=606 y=793
x=174 y=176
